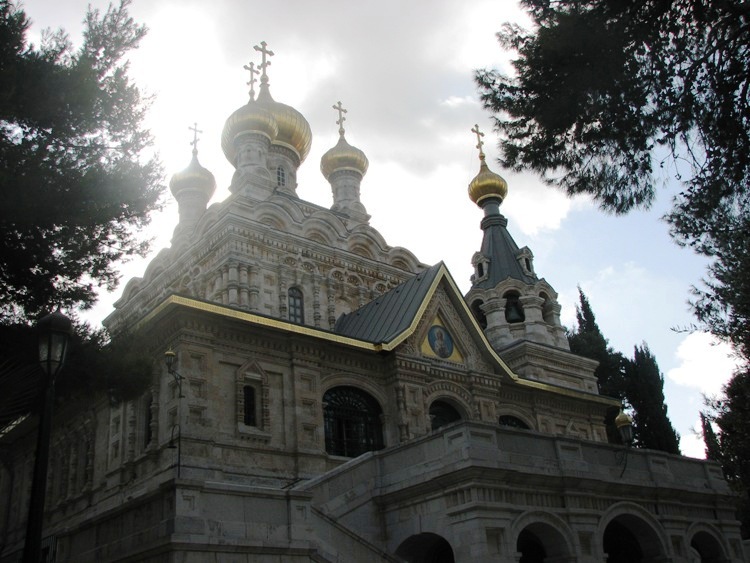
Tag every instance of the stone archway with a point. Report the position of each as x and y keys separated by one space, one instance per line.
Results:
x=707 y=548
x=425 y=548
x=628 y=538
x=540 y=542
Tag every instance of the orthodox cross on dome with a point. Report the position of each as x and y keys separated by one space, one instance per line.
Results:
x=339 y=108
x=480 y=143
x=194 y=142
x=264 y=53
x=253 y=71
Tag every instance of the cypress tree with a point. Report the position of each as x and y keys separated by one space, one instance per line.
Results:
x=588 y=341
x=644 y=390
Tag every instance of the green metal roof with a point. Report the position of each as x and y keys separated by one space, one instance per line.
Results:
x=390 y=314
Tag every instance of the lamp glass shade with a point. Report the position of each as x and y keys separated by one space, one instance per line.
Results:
x=54 y=334
x=626 y=433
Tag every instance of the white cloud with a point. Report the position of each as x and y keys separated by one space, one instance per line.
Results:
x=691 y=443
x=704 y=363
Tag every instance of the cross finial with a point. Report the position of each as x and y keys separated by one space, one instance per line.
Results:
x=264 y=53
x=253 y=71
x=194 y=142
x=480 y=143
x=340 y=122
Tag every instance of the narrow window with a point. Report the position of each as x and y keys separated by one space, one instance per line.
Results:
x=296 y=306
x=476 y=308
x=249 y=398
x=280 y=177
x=147 y=419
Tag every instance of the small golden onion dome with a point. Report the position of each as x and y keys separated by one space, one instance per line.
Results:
x=194 y=178
x=250 y=118
x=487 y=184
x=294 y=130
x=343 y=157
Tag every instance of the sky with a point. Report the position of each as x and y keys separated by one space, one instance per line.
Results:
x=403 y=69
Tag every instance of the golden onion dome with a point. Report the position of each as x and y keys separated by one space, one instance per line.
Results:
x=194 y=178
x=487 y=184
x=250 y=118
x=343 y=157
x=293 y=129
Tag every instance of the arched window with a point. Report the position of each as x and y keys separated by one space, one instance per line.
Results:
x=513 y=422
x=296 y=305
x=280 y=177
x=352 y=422
x=547 y=309
x=513 y=309
x=442 y=413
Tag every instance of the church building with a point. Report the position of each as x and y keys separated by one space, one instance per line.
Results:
x=320 y=396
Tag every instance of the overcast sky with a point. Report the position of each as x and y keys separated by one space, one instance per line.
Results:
x=403 y=69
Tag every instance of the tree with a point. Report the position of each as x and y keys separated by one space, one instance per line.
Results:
x=644 y=390
x=76 y=182
x=587 y=340
x=711 y=441
x=609 y=96
x=731 y=413
x=638 y=383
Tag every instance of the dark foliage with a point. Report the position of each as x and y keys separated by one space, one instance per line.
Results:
x=644 y=390
x=637 y=383
x=613 y=98
x=731 y=414
x=96 y=366
x=588 y=341
x=75 y=180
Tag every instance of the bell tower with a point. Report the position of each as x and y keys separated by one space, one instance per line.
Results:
x=507 y=298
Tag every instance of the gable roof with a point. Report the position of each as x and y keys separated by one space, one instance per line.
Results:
x=387 y=316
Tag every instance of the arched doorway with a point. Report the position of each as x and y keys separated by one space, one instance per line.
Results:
x=442 y=413
x=629 y=539
x=540 y=542
x=425 y=548
x=707 y=547
x=352 y=422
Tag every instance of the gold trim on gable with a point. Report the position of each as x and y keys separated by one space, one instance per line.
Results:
x=278 y=324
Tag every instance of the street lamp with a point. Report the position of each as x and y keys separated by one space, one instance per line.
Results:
x=170 y=356
x=624 y=424
x=54 y=334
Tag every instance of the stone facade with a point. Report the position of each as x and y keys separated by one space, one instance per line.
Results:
x=335 y=399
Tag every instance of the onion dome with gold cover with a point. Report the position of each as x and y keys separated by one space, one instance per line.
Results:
x=250 y=118
x=486 y=185
x=293 y=129
x=282 y=124
x=343 y=156
x=195 y=180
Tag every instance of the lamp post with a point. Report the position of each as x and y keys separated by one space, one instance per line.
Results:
x=169 y=358
x=54 y=335
x=624 y=424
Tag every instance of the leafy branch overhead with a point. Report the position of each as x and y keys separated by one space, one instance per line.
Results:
x=612 y=98
x=76 y=179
